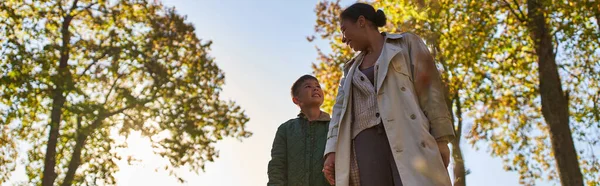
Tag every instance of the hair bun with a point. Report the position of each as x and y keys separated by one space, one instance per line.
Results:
x=380 y=18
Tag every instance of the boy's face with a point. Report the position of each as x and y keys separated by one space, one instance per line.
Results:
x=309 y=94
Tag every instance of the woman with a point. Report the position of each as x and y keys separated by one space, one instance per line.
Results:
x=390 y=123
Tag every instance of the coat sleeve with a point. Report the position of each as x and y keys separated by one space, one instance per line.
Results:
x=334 y=124
x=277 y=168
x=429 y=89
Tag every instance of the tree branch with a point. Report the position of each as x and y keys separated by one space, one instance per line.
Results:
x=118 y=111
x=596 y=107
x=112 y=87
x=78 y=123
x=459 y=116
x=521 y=16
x=73 y=7
x=94 y=61
x=60 y=7
x=75 y=161
x=109 y=114
x=86 y=8
x=570 y=73
x=557 y=43
x=598 y=20
x=442 y=59
x=82 y=136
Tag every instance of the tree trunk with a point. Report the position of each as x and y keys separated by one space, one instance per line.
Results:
x=555 y=106
x=82 y=136
x=75 y=159
x=58 y=100
x=459 y=162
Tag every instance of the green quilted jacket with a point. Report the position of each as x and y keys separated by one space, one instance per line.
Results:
x=297 y=153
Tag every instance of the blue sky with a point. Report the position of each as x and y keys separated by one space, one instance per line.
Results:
x=262 y=48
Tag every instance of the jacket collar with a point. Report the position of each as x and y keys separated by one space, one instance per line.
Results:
x=389 y=39
x=323 y=117
x=391 y=36
x=390 y=49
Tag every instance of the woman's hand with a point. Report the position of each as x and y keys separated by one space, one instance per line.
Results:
x=329 y=168
x=444 y=152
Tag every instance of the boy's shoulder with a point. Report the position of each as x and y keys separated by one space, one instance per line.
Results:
x=324 y=119
x=287 y=126
x=289 y=123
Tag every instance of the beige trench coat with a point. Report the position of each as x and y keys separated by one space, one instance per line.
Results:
x=413 y=116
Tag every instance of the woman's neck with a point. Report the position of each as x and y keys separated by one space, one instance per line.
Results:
x=375 y=43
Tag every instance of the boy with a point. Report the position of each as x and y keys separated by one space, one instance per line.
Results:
x=297 y=153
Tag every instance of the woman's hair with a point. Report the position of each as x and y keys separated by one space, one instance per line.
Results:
x=361 y=9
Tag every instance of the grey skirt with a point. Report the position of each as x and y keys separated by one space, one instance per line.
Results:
x=376 y=165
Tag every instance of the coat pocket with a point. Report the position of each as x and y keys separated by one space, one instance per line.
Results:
x=400 y=63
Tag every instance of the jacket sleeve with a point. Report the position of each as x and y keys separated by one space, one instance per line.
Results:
x=429 y=89
x=334 y=124
x=277 y=168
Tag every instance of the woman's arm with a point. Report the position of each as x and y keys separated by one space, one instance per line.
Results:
x=335 y=119
x=332 y=135
x=429 y=90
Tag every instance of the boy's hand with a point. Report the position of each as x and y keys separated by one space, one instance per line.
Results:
x=329 y=168
x=444 y=152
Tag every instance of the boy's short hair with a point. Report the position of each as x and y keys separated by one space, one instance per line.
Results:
x=299 y=82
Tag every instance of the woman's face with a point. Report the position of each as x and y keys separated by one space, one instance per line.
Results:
x=353 y=34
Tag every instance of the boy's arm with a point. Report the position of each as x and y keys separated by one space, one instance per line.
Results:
x=277 y=168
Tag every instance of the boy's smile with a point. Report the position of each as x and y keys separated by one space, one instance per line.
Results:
x=317 y=95
x=310 y=93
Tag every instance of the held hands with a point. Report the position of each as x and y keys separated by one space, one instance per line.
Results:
x=329 y=168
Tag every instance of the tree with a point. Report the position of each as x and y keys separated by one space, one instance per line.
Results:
x=543 y=67
x=77 y=74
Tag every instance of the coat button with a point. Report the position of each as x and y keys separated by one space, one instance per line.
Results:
x=362 y=78
x=423 y=144
x=412 y=116
x=403 y=89
x=377 y=114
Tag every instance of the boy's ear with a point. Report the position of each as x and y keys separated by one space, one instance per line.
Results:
x=295 y=100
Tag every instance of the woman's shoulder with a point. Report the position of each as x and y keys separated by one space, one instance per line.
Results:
x=407 y=35
x=404 y=38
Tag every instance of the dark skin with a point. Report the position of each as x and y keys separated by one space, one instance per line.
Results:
x=362 y=35
x=309 y=99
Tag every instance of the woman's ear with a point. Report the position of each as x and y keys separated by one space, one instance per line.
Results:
x=361 y=21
